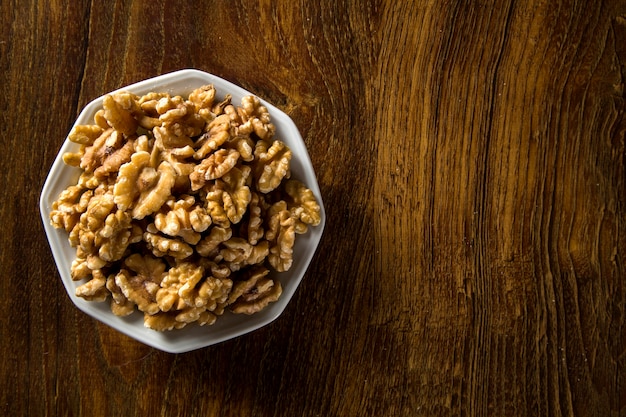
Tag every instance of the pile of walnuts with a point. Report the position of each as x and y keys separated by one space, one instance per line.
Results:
x=182 y=207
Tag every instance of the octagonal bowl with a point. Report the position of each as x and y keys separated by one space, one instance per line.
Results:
x=229 y=325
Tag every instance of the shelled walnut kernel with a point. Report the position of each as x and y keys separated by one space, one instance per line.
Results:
x=183 y=207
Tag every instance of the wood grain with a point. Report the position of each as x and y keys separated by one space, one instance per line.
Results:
x=471 y=157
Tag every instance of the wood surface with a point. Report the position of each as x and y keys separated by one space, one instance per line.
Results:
x=471 y=158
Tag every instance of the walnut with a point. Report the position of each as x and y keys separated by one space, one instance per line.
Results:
x=147 y=116
x=214 y=294
x=162 y=322
x=236 y=193
x=199 y=219
x=116 y=235
x=85 y=134
x=254 y=226
x=202 y=98
x=151 y=199
x=114 y=158
x=217 y=270
x=166 y=138
x=68 y=207
x=130 y=181
x=236 y=250
x=275 y=213
x=183 y=218
x=100 y=120
x=94 y=261
x=102 y=146
x=143 y=144
x=255 y=118
x=174 y=109
x=198 y=315
x=147 y=122
x=120 y=305
x=185 y=286
x=102 y=235
x=302 y=205
x=242 y=144
x=148 y=103
x=215 y=207
x=178 y=288
x=73 y=159
x=94 y=289
x=84 y=234
x=138 y=290
x=80 y=269
x=188 y=297
x=211 y=241
x=139 y=281
x=281 y=232
x=89 y=181
x=233 y=115
x=162 y=246
x=178 y=320
x=178 y=158
x=118 y=112
x=237 y=253
x=217 y=132
x=229 y=196
x=271 y=164
x=254 y=293
x=179 y=117
x=218 y=108
x=213 y=167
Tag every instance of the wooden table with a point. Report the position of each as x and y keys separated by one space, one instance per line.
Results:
x=471 y=158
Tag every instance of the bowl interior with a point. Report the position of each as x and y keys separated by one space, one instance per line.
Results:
x=229 y=325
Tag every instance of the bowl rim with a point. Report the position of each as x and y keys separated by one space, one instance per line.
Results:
x=191 y=337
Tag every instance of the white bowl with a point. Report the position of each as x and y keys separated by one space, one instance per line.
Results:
x=229 y=325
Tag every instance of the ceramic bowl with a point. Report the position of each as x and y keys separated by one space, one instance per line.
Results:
x=229 y=325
